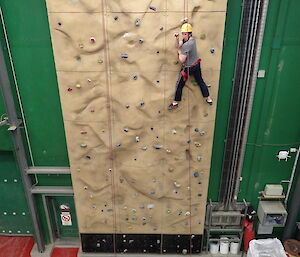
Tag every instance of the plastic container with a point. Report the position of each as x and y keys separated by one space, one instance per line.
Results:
x=234 y=247
x=224 y=245
x=271 y=247
x=214 y=247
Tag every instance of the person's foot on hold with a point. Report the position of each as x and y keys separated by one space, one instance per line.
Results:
x=173 y=106
x=209 y=100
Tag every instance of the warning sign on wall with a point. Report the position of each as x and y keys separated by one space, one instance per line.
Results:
x=66 y=219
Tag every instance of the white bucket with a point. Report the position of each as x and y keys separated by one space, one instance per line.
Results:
x=234 y=247
x=224 y=246
x=214 y=247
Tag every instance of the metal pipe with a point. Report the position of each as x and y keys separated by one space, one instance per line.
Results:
x=19 y=149
x=48 y=170
x=251 y=94
x=293 y=211
x=292 y=178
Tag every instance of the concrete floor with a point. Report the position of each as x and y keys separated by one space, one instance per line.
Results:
x=48 y=251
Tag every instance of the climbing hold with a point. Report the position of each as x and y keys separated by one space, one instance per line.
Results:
x=81 y=46
x=157 y=52
x=125 y=208
x=209 y=86
x=184 y=251
x=197 y=144
x=168 y=211
x=92 y=110
x=110 y=170
x=187 y=213
x=78 y=85
x=134 y=77
x=168 y=151
x=194 y=82
x=126 y=129
x=85 y=187
x=141 y=41
x=100 y=61
x=133 y=210
x=127 y=106
x=121 y=180
x=176 y=62
x=144 y=148
x=199 y=195
x=89 y=80
x=124 y=56
x=92 y=40
x=153 y=8
x=177 y=184
x=70 y=89
x=157 y=147
x=59 y=23
x=205 y=114
x=174 y=131
x=202 y=36
x=157 y=81
x=142 y=207
x=212 y=50
x=152 y=128
x=199 y=158
x=161 y=28
x=171 y=169
x=78 y=58
x=116 y=18
x=202 y=133
x=118 y=145
x=152 y=192
x=141 y=104
x=78 y=169
x=83 y=145
x=88 y=157
x=137 y=139
x=199 y=182
x=150 y=206
x=137 y=22
x=196 y=174
x=196 y=130
x=189 y=141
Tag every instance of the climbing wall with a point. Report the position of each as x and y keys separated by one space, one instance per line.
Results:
x=137 y=168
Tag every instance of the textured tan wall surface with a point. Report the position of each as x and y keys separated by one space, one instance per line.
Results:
x=121 y=185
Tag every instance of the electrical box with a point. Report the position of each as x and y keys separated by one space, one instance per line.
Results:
x=271 y=213
x=273 y=190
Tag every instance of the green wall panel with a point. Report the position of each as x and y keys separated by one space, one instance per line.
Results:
x=29 y=37
x=14 y=213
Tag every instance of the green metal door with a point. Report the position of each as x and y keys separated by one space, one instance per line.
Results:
x=63 y=228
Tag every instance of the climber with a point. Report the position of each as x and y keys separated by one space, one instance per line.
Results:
x=187 y=54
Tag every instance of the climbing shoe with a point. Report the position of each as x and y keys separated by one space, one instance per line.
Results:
x=210 y=102
x=173 y=106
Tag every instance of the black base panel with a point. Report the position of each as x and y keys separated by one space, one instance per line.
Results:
x=141 y=243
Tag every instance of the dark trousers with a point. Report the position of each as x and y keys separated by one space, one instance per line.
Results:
x=196 y=72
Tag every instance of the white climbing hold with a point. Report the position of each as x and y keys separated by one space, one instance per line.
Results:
x=150 y=206
x=177 y=184
x=137 y=139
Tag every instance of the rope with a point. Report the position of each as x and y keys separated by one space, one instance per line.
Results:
x=186 y=6
x=110 y=118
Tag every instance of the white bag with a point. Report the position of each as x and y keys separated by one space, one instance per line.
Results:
x=271 y=247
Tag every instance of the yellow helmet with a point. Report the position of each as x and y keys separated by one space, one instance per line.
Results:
x=186 y=27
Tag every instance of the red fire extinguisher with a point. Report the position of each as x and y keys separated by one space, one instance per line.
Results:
x=248 y=223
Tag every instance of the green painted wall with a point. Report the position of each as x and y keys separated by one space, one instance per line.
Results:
x=275 y=124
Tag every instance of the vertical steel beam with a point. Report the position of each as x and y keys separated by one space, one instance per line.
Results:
x=19 y=149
